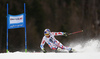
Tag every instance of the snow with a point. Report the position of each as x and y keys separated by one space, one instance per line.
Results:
x=20 y=55
x=91 y=46
x=89 y=51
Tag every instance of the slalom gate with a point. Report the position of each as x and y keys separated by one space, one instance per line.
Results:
x=16 y=21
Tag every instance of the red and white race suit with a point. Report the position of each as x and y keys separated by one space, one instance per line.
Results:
x=52 y=42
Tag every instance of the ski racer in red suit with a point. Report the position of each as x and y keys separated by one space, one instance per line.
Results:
x=51 y=40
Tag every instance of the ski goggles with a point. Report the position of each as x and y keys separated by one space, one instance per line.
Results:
x=46 y=34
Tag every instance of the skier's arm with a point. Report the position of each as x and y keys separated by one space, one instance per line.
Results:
x=59 y=33
x=42 y=45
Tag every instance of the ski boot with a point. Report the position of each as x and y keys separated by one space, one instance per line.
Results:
x=58 y=50
x=70 y=50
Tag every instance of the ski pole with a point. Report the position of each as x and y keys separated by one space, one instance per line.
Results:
x=75 y=32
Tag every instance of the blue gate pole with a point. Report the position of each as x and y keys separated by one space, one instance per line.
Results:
x=7 y=30
x=25 y=28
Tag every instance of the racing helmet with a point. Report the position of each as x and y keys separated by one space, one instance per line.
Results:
x=47 y=32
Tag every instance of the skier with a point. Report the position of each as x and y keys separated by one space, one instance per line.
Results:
x=52 y=42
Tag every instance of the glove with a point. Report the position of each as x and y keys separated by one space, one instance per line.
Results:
x=44 y=50
x=65 y=34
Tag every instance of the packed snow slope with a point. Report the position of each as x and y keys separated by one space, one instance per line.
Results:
x=91 y=50
x=20 y=55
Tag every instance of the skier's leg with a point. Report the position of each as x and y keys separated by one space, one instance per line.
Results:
x=60 y=45
x=52 y=46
